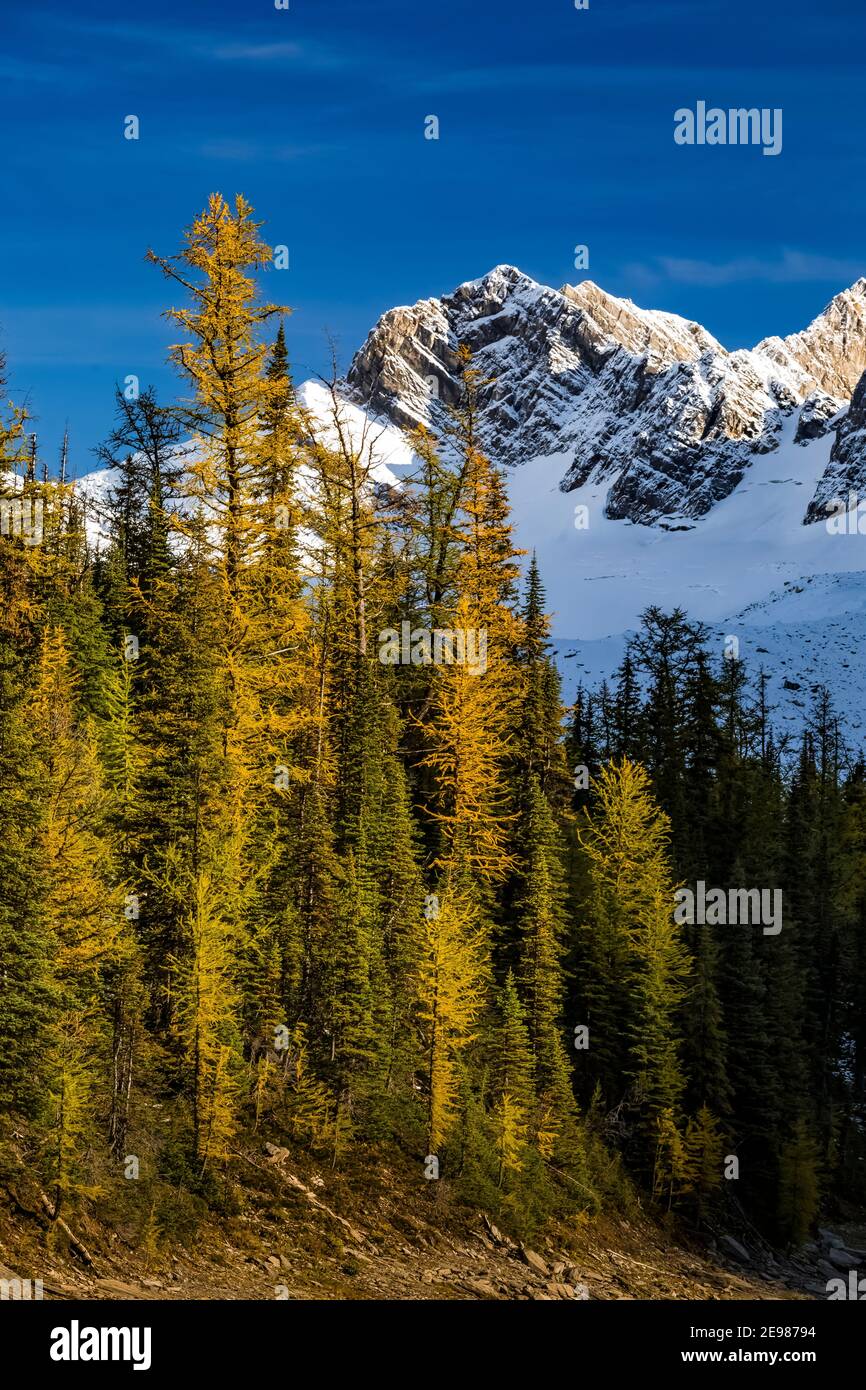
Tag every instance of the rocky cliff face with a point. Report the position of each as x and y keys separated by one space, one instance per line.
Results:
x=645 y=401
x=830 y=355
x=846 y=471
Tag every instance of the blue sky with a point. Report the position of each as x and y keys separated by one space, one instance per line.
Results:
x=556 y=129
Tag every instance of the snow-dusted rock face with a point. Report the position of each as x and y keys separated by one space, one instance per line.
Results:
x=648 y=403
x=817 y=417
x=829 y=355
x=846 y=470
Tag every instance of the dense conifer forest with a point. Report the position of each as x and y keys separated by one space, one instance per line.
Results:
x=278 y=859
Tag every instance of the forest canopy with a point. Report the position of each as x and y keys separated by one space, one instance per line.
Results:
x=259 y=877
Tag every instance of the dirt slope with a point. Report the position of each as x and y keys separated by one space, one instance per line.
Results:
x=304 y=1233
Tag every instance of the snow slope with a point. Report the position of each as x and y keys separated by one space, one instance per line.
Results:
x=793 y=595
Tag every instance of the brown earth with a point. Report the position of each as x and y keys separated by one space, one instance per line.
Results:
x=307 y=1233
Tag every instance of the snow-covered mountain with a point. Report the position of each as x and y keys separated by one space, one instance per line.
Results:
x=646 y=402
x=846 y=470
x=648 y=464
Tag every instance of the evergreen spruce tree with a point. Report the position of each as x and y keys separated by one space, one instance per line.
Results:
x=512 y=1085
x=633 y=956
x=452 y=982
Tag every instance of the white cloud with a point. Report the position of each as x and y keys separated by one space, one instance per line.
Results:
x=790 y=268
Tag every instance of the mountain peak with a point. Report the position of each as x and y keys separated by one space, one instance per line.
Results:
x=642 y=401
x=498 y=279
x=830 y=355
x=507 y=272
x=855 y=291
x=661 y=338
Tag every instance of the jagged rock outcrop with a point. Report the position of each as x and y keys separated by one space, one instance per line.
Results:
x=829 y=355
x=846 y=471
x=645 y=401
x=816 y=417
x=661 y=339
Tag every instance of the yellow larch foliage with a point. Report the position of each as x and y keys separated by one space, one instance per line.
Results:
x=466 y=735
x=207 y=1014
x=84 y=909
x=451 y=992
x=637 y=960
x=241 y=518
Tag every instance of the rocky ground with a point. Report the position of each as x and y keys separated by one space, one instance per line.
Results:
x=302 y=1234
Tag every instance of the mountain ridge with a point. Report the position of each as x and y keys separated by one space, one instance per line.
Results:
x=643 y=400
x=704 y=475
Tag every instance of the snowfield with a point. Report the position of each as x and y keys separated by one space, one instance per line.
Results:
x=794 y=595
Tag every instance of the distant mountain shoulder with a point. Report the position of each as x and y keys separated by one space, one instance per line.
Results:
x=645 y=402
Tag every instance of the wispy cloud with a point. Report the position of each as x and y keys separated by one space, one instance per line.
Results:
x=25 y=72
x=648 y=68
x=213 y=45
x=532 y=76
x=310 y=56
x=790 y=268
x=251 y=151
x=256 y=52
